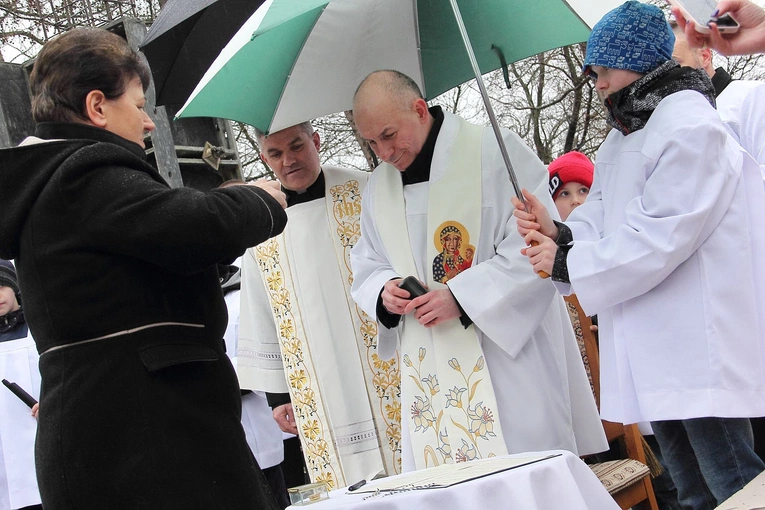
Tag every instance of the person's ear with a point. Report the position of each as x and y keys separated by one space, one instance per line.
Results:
x=421 y=109
x=316 y=140
x=264 y=158
x=706 y=56
x=94 y=108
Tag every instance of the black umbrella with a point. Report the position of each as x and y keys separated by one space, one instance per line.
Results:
x=185 y=39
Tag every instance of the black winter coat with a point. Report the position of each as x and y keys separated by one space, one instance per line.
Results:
x=140 y=407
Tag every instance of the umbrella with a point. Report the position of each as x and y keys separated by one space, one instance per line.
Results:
x=295 y=60
x=185 y=39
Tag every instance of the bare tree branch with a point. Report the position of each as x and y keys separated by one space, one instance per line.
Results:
x=369 y=154
x=22 y=33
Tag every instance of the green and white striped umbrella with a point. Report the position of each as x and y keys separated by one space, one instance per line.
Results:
x=295 y=60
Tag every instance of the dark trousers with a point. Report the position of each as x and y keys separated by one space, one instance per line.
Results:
x=293 y=466
x=275 y=480
x=709 y=459
x=663 y=486
x=758 y=428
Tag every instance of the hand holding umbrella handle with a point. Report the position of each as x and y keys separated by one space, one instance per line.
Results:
x=19 y=392
x=542 y=274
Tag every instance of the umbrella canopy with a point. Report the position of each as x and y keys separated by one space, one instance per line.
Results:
x=186 y=38
x=295 y=60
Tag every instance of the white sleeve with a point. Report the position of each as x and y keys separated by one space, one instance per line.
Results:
x=231 y=335
x=752 y=125
x=259 y=362
x=369 y=261
x=371 y=269
x=502 y=295
x=691 y=180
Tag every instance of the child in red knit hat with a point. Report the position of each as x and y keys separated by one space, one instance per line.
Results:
x=570 y=181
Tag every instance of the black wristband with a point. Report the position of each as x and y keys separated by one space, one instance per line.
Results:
x=277 y=399
x=565 y=237
x=560 y=266
x=387 y=319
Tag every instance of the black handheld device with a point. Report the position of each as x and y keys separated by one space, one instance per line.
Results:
x=413 y=286
x=19 y=392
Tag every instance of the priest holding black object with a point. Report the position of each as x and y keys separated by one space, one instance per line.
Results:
x=490 y=363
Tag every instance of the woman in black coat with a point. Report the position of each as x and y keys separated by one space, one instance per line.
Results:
x=140 y=406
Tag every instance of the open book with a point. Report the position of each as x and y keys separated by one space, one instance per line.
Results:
x=447 y=475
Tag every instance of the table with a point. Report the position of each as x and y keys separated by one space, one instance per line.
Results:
x=560 y=482
x=751 y=497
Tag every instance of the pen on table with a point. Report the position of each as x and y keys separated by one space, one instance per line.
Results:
x=19 y=392
x=356 y=486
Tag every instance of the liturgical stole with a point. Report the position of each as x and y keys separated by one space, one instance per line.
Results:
x=446 y=389
x=343 y=394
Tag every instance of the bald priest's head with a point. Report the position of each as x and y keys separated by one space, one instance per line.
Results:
x=391 y=114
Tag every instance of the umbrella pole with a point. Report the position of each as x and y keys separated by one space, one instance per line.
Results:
x=490 y=110
x=486 y=101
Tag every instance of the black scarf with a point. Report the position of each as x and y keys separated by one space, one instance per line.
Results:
x=12 y=320
x=630 y=108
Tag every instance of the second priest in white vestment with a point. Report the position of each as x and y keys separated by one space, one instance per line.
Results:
x=542 y=395
x=301 y=332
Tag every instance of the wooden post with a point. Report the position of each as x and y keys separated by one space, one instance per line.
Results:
x=229 y=141
x=15 y=106
x=162 y=142
x=164 y=147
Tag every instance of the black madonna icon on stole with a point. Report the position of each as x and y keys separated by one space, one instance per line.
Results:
x=450 y=239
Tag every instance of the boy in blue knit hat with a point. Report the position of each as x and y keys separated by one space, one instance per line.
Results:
x=667 y=252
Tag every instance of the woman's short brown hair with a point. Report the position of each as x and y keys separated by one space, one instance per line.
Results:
x=77 y=62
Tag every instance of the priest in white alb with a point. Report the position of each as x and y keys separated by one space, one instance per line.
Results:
x=490 y=364
x=302 y=338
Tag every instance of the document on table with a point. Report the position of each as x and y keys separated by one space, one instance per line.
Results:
x=447 y=475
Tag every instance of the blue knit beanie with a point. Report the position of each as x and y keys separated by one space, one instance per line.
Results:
x=634 y=36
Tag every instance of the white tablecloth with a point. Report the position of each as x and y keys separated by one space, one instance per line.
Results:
x=563 y=482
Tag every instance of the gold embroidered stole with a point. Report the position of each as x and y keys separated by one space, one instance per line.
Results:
x=445 y=385
x=382 y=375
x=338 y=410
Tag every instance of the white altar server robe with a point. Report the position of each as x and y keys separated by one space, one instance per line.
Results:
x=668 y=250
x=734 y=101
x=544 y=399
x=264 y=436
x=18 y=481
x=750 y=118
